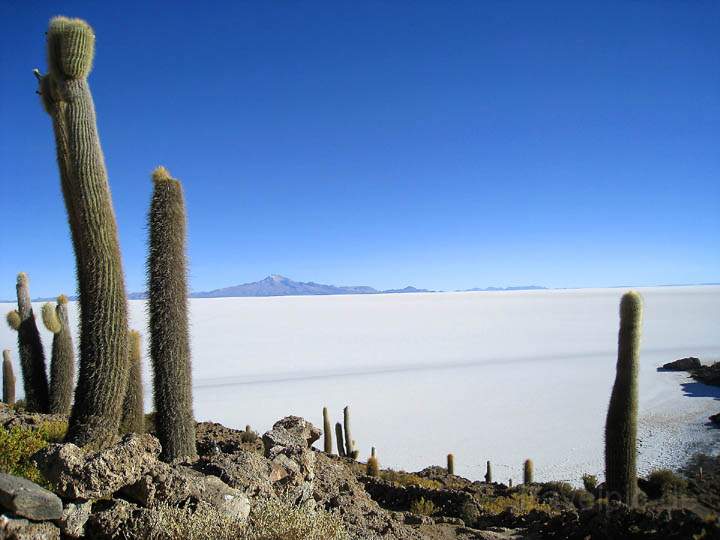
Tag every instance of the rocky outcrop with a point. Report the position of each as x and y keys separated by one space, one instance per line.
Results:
x=22 y=529
x=26 y=499
x=683 y=364
x=73 y=519
x=78 y=475
x=247 y=471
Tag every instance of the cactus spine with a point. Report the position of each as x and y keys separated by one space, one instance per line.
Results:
x=488 y=473
x=373 y=465
x=66 y=96
x=350 y=449
x=32 y=356
x=327 y=432
x=8 y=379
x=528 y=470
x=133 y=418
x=339 y=436
x=621 y=423
x=450 y=464
x=167 y=306
x=62 y=363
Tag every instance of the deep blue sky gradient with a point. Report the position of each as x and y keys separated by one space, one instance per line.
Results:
x=440 y=144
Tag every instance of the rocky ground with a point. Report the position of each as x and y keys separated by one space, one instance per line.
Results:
x=278 y=487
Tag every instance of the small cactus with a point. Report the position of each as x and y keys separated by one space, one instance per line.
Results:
x=32 y=355
x=450 y=464
x=168 y=319
x=373 y=466
x=510 y=482
x=528 y=471
x=8 y=380
x=339 y=437
x=621 y=422
x=327 y=432
x=62 y=361
x=488 y=473
x=133 y=418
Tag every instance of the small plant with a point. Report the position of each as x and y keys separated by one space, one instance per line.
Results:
x=590 y=482
x=408 y=479
x=423 y=507
x=279 y=519
x=665 y=483
x=373 y=466
x=519 y=503
x=18 y=444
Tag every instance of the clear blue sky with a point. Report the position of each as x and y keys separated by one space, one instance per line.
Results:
x=440 y=144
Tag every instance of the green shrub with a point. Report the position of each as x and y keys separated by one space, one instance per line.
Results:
x=519 y=503
x=423 y=507
x=408 y=479
x=18 y=444
x=664 y=483
x=590 y=482
x=275 y=519
x=563 y=488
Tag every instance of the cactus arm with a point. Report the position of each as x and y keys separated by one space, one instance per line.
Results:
x=50 y=318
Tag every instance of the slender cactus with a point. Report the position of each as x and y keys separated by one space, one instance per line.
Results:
x=528 y=470
x=168 y=315
x=621 y=423
x=32 y=355
x=349 y=441
x=133 y=418
x=327 y=432
x=66 y=96
x=488 y=473
x=62 y=362
x=339 y=437
x=450 y=464
x=373 y=466
x=8 y=379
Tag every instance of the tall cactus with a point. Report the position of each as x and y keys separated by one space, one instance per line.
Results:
x=340 y=442
x=528 y=471
x=168 y=310
x=373 y=465
x=66 y=96
x=133 y=418
x=621 y=423
x=450 y=464
x=488 y=473
x=350 y=449
x=8 y=380
x=327 y=432
x=62 y=361
x=32 y=355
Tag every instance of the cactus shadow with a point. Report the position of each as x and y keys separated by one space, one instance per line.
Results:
x=696 y=389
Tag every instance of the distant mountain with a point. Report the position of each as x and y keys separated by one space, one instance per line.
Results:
x=517 y=288
x=405 y=290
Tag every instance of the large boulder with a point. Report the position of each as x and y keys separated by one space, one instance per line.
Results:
x=24 y=498
x=247 y=471
x=683 y=364
x=79 y=475
x=22 y=529
x=291 y=431
x=176 y=485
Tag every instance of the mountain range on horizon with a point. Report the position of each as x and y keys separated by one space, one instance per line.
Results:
x=277 y=285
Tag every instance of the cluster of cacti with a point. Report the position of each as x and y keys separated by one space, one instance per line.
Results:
x=62 y=360
x=488 y=473
x=133 y=417
x=528 y=470
x=373 y=465
x=32 y=355
x=450 y=464
x=8 y=396
x=621 y=422
x=168 y=319
x=66 y=96
x=327 y=434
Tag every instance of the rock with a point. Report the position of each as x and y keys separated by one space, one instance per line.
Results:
x=73 y=519
x=176 y=485
x=24 y=498
x=288 y=432
x=22 y=529
x=684 y=364
x=214 y=439
x=247 y=471
x=715 y=418
x=114 y=520
x=78 y=475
